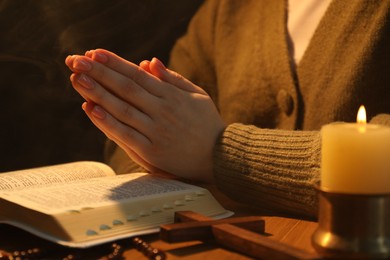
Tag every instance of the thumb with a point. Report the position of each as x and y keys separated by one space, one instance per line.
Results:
x=159 y=70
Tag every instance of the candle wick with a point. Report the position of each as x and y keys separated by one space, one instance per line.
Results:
x=362 y=127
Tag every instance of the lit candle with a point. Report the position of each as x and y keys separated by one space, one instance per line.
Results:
x=355 y=157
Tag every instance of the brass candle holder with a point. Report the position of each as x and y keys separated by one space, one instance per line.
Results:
x=353 y=226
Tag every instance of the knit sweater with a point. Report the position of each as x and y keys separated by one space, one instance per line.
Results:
x=269 y=155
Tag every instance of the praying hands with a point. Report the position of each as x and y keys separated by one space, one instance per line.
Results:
x=161 y=120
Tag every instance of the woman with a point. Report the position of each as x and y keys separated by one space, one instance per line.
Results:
x=257 y=84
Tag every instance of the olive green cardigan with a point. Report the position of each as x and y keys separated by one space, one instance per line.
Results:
x=269 y=155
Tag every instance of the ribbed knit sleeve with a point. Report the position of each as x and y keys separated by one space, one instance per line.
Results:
x=269 y=168
x=381 y=119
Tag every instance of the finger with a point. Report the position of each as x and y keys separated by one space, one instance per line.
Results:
x=116 y=83
x=96 y=56
x=76 y=85
x=123 y=111
x=145 y=65
x=159 y=70
x=88 y=108
x=116 y=130
x=69 y=61
x=126 y=68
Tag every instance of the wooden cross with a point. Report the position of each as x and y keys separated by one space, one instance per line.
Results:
x=243 y=234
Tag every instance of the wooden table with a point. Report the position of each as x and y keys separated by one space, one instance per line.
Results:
x=286 y=229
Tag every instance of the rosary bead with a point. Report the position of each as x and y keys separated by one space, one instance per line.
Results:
x=72 y=257
x=116 y=251
x=147 y=250
x=31 y=253
x=158 y=255
x=137 y=243
x=144 y=247
x=68 y=257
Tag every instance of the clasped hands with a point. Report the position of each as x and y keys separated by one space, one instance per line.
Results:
x=161 y=120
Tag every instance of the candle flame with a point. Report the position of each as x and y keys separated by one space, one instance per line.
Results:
x=361 y=119
x=361 y=115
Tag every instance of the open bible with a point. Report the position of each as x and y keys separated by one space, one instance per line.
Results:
x=82 y=204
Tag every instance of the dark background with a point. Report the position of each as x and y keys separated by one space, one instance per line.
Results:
x=41 y=118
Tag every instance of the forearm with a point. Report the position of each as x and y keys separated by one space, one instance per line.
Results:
x=278 y=169
x=273 y=168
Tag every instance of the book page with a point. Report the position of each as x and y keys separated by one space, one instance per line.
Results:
x=95 y=192
x=61 y=173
